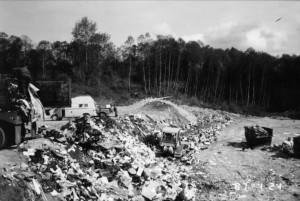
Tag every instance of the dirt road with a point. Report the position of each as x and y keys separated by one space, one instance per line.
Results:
x=251 y=174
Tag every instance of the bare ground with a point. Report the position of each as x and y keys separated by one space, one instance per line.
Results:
x=252 y=174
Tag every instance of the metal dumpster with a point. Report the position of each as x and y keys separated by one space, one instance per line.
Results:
x=254 y=140
x=297 y=146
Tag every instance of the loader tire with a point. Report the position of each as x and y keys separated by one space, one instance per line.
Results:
x=3 y=139
x=54 y=117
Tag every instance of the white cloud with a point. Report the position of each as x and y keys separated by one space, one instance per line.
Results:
x=223 y=29
x=227 y=35
x=268 y=40
x=164 y=29
x=242 y=36
x=194 y=37
x=255 y=40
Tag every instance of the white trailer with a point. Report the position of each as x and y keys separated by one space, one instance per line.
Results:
x=79 y=106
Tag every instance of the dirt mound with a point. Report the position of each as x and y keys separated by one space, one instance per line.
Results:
x=156 y=105
x=161 y=111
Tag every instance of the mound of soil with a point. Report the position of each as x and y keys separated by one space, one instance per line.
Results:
x=161 y=111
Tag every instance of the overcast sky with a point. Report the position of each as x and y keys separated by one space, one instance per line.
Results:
x=220 y=24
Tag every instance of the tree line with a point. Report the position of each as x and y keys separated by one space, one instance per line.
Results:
x=160 y=66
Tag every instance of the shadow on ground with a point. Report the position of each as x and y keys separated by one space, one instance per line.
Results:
x=238 y=144
x=280 y=154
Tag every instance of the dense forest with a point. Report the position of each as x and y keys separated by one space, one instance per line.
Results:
x=160 y=66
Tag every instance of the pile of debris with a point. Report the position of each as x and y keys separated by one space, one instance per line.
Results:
x=207 y=130
x=258 y=130
x=290 y=147
x=98 y=162
x=22 y=95
x=96 y=159
x=213 y=118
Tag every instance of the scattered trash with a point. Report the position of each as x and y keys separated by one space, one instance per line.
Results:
x=105 y=159
x=288 y=146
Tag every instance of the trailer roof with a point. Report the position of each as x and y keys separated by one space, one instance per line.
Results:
x=82 y=99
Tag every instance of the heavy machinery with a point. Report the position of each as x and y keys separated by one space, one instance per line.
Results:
x=171 y=143
x=20 y=114
x=11 y=128
x=105 y=111
x=19 y=110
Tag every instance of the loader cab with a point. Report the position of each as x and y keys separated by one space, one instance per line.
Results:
x=170 y=137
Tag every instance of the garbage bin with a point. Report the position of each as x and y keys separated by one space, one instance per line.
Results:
x=297 y=146
x=254 y=140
